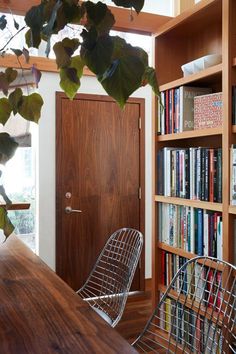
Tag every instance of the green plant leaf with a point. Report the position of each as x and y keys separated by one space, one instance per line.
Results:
x=11 y=75
x=99 y=16
x=17 y=52
x=4 y=84
x=7 y=145
x=34 y=19
x=5 y=110
x=64 y=50
x=125 y=74
x=5 y=223
x=25 y=52
x=136 y=4
x=15 y=99
x=48 y=29
x=3 y=22
x=30 y=107
x=70 y=76
x=150 y=78
x=16 y=25
x=97 y=54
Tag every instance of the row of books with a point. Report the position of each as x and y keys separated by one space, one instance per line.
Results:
x=233 y=175
x=187 y=108
x=188 y=328
x=176 y=109
x=194 y=230
x=192 y=173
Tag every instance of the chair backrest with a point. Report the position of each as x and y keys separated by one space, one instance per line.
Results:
x=197 y=313
x=109 y=282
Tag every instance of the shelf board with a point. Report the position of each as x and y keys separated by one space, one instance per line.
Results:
x=234 y=62
x=191 y=134
x=212 y=71
x=175 y=250
x=232 y=209
x=187 y=16
x=189 y=202
x=16 y=206
x=182 y=253
x=233 y=128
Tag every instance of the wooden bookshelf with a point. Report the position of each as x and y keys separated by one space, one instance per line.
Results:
x=207 y=28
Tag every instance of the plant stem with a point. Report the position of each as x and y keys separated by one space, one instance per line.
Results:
x=21 y=29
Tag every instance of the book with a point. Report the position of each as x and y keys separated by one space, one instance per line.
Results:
x=187 y=95
x=208 y=111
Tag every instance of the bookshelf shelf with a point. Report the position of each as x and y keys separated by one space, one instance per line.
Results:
x=234 y=62
x=189 y=202
x=178 y=251
x=190 y=134
x=233 y=128
x=212 y=73
x=232 y=209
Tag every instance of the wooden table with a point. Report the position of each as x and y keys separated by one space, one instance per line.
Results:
x=40 y=314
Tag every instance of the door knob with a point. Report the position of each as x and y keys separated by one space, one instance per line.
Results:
x=69 y=210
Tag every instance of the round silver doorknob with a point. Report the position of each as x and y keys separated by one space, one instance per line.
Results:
x=69 y=210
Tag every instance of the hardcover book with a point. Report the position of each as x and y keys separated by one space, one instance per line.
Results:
x=187 y=95
x=208 y=111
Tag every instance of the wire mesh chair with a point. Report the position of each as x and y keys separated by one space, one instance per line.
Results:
x=108 y=284
x=197 y=313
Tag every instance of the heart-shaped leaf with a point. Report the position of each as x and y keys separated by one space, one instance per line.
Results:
x=136 y=4
x=16 y=25
x=15 y=99
x=8 y=145
x=48 y=29
x=25 y=52
x=99 y=16
x=64 y=50
x=3 y=22
x=5 y=223
x=125 y=74
x=70 y=77
x=17 y=52
x=4 y=84
x=5 y=110
x=30 y=107
x=150 y=78
x=11 y=75
x=97 y=55
x=34 y=19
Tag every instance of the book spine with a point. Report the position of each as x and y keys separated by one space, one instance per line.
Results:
x=219 y=176
x=200 y=232
x=206 y=183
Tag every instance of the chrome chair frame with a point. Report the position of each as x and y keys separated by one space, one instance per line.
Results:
x=197 y=312
x=107 y=287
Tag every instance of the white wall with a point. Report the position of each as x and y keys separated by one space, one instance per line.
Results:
x=46 y=174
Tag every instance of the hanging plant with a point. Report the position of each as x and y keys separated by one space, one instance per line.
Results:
x=119 y=67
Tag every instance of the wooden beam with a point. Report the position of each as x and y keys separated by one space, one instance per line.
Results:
x=182 y=5
x=142 y=23
x=43 y=64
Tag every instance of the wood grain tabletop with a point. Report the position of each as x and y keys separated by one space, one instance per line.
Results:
x=40 y=314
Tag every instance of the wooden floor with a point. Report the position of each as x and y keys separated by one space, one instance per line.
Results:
x=137 y=311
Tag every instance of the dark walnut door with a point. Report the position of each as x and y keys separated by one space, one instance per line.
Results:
x=99 y=172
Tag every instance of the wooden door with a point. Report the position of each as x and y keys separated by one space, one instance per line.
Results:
x=99 y=170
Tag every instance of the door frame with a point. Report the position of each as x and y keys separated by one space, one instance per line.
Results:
x=94 y=97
